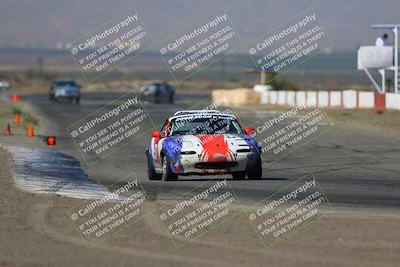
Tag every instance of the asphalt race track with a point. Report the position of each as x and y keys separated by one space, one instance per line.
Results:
x=344 y=160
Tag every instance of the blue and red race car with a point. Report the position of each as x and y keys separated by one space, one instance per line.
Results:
x=203 y=142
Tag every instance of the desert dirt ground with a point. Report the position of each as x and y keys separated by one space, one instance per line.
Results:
x=36 y=231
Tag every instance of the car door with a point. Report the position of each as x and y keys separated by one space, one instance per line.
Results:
x=157 y=144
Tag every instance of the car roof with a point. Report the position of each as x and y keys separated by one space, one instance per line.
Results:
x=196 y=113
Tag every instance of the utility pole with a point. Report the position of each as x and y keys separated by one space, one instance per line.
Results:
x=40 y=65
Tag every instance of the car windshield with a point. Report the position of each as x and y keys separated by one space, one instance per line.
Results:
x=66 y=83
x=195 y=125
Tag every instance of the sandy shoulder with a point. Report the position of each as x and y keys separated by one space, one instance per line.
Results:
x=36 y=231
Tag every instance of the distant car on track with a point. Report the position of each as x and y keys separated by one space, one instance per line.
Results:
x=158 y=92
x=65 y=89
x=199 y=142
x=4 y=86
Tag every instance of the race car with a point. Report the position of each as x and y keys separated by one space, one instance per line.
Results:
x=203 y=142
x=158 y=92
x=65 y=89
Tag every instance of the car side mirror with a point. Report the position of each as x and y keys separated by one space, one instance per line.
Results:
x=249 y=131
x=156 y=134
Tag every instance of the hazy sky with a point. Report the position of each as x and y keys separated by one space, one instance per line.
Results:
x=44 y=23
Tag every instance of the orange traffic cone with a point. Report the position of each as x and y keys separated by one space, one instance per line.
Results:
x=8 y=130
x=16 y=118
x=30 y=130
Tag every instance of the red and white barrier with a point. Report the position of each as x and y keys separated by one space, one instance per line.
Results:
x=335 y=99
x=312 y=98
x=273 y=97
x=291 y=98
x=281 y=98
x=366 y=99
x=392 y=101
x=323 y=99
x=349 y=99
x=300 y=97
x=264 y=98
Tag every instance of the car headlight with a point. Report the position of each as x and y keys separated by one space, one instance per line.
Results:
x=186 y=145
x=187 y=148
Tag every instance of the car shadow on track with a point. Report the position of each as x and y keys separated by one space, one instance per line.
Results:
x=230 y=179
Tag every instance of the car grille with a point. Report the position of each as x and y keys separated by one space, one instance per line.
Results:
x=243 y=150
x=188 y=152
x=215 y=165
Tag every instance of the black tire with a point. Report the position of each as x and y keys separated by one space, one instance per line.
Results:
x=151 y=173
x=239 y=175
x=171 y=99
x=77 y=100
x=51 y=97
x=167 y=174
x=70 y=99
x=254 y=171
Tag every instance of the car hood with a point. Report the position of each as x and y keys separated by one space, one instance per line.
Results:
x=211 y=145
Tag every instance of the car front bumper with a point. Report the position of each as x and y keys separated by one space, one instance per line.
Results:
x=67 y=94
x=191 y=164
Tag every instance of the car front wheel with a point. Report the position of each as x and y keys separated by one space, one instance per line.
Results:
x=254 y=172
x=151 y=173
x=167 y=173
